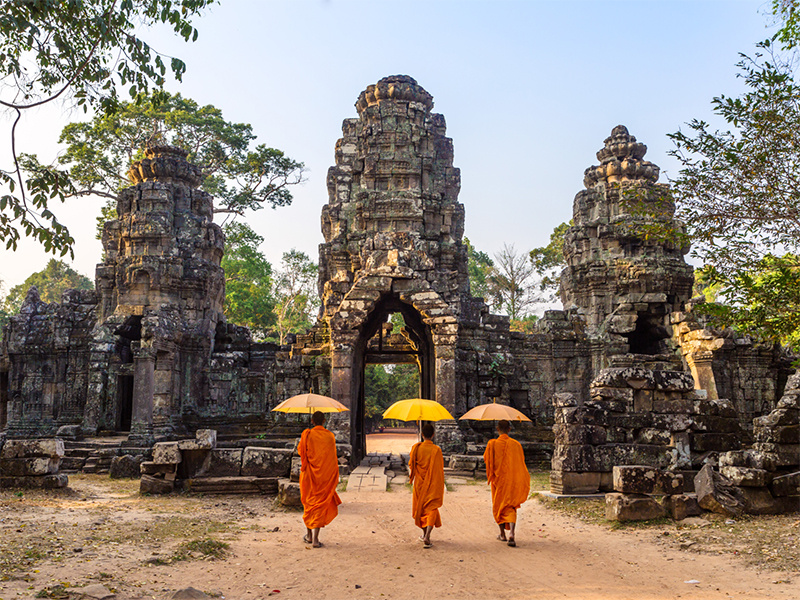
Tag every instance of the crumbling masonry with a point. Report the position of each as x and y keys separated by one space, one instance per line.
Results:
x=625 y=372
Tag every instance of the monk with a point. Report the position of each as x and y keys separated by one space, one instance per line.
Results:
x=426 y=474
x=319 y=476
x=507 y=474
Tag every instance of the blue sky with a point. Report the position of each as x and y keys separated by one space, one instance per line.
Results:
x=529 y=89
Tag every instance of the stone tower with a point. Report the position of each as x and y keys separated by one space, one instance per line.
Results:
x=161 y=290
x=624 y=283
x=393 y=229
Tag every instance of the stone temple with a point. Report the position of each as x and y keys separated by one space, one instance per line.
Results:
x=624 y=373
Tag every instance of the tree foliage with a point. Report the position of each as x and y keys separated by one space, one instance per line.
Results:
x=738 y=192
x=386 y=384
x=249 y=298
x=240 y=176
x=84 y=51
x=296 y=299
x=548 y=261
x=51 y=282
x=479 y=267
x=512 y=285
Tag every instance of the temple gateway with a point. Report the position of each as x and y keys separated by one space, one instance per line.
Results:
x=625 y=374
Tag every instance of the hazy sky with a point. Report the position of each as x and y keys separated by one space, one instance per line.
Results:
x=529 y=90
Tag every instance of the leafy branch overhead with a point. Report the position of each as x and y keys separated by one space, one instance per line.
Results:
x=84 y=52
x=240 y=176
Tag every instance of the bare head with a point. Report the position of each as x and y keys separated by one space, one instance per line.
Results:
x=427 y=431
x=503 y=427
x=318 y=418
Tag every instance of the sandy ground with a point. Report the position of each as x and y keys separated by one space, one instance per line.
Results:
x=371 y=551
x=391 y=441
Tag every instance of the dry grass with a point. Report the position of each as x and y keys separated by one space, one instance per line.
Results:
x=769 y=541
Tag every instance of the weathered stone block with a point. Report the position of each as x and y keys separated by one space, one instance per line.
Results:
x=25 y=467
x=717 y=494
x=758 y=501
x=745 y=476
x=125 y=467
x=166 y=453
x=680 y=506
x=786 y=485
x=223 y=462
x=463 y=462
x=297 y=464
x=669 y=483
x=151 y=468
x=32 y=448
x=719 y=442
x=205 y=439
x=566 y=482
x=654 y=437
x=289 y=493
x=155 y=485
x=72 y=432
x=634 y=479
x=632 y=507
x=574 y=434
x=266 y=462
x=40 y=482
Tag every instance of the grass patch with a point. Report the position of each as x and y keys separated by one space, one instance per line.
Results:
x=54 y=591
x=206 y=548
x=540 y=480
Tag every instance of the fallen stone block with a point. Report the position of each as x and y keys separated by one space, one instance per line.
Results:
x=151 y=468
x=45 y=482
x=669 y=483
x=289 y=493
x=26 y=467
x=632 y=507
x=745 y=476
x=95 y=591
x=716 y=493
x=125 y=467
x=567 y=482
x=205 y=439
x=297 y=464
x=758 y=501
x=222 y=462
x=155 y=485
x=786 y=485
x=166 y=453
x=680 y=506
x=232 y=485
x=634 y=479
x=266 y=462
x=71 y=432
x=190 y=593
x=33 y=448
x=463 y=462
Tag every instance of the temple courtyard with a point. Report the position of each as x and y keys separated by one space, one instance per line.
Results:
x=101 y=537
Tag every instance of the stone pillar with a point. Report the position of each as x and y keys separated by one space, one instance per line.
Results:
x=700 y=363
x=143 y=391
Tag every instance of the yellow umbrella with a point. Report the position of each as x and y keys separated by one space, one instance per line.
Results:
x=309 y=403
x=417 y=409
x=494 y=412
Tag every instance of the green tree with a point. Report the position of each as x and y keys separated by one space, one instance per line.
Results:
x=386 y=384
x=548 y=261
x=51 y=282
x=239 y=175
x=738 y=194
x=84 y=51
x=249 y=296
x=512 y=288
x=296 y=298
x=479 y=267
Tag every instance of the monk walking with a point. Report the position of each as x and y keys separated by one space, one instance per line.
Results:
x=507 y=474
x=319 y=476
x=426 y=474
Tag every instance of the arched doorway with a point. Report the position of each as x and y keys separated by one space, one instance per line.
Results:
x=413 y=344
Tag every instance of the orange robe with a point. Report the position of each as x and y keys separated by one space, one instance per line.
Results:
x=319 y=476
x=507 y=474
x=426 y=467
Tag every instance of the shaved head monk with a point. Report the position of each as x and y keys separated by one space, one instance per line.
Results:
x=426 y=474
x=319 y=476
x=507 y=474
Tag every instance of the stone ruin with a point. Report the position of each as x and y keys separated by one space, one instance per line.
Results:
x=625 y=374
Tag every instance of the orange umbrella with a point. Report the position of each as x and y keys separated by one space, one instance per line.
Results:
x=494 y=412
x=309 y=403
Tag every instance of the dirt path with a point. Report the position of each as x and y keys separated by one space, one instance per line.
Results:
x=373 y=545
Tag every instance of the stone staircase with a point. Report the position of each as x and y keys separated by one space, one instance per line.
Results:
x=376 y=471
x=95 y=455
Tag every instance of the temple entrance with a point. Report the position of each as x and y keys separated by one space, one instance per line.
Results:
x=394 y=360
x=125 y=407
